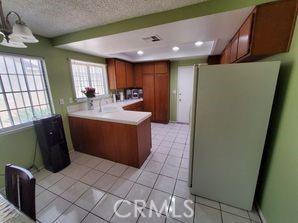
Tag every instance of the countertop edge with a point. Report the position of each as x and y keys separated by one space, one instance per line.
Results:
x=110 y=119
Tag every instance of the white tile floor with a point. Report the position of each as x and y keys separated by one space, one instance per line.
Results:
x=87 y=190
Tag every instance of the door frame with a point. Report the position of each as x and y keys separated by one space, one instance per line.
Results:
x=177 y=92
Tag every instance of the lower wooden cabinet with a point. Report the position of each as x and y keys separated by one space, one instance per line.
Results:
x=139 y=106
x=122 y=143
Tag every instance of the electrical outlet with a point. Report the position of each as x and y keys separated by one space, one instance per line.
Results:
x=61 y=101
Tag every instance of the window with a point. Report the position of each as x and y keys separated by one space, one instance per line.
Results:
x=23 y=91
x=85 y=74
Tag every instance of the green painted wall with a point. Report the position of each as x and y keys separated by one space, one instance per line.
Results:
x=173 y=82
x=278 y=189
x=18 y=148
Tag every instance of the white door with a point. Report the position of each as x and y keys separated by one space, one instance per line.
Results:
x=185 y=89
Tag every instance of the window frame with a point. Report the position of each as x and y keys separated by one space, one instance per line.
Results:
x=105 y=78
x=22 y=126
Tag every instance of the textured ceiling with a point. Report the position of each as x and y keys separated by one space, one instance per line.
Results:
x=52 y=18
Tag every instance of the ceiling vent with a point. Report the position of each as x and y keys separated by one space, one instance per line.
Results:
x=154 y=38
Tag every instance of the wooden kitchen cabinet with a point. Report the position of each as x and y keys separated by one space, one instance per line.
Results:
x=148 y=68
x=149 y=94
x=267 y=31
x=245 y=37
x=156 y=90
x=120 y=74
x=161 y=67
x=123 y=143
x=153 y=77
x=138 y=79
x=129 y=75
x=139 y=106
x=161 y=84
x=234 y=48
x=226 y=55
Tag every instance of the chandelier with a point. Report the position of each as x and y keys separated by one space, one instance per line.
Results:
x=16 y=34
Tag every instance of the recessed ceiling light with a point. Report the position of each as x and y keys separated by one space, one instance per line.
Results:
x=175 y=48
x=198 y=43
x=140 y=52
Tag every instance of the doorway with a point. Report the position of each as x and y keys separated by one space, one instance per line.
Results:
x=184 y=93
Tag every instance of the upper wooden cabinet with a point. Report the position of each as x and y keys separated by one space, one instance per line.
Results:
x=234 y=48
x=161 y=67
x=148 y=68
x=138 y=79
x=129 y=75
x=245 y=37
x=120 y=74
x=226 y=55
x=268 y=30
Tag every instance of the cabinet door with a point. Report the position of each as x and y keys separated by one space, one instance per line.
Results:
x=245 y=37
x=148 y=94
x=112 y=74
x=148 y=68
x=225 y=57
x=129 y=75
x=234 y=48
x=161 y=98
x=120 y=74
x=161 y=67
x=138 y=79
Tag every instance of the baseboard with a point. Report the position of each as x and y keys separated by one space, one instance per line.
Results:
x=263 y=219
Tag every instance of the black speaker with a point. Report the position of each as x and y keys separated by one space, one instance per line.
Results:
x=52 y=143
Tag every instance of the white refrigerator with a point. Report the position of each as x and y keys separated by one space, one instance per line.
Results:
x=229 y=120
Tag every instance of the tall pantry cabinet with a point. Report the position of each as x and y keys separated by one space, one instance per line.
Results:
x=156 y=90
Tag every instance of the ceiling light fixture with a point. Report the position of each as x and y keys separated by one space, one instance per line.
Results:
x=17 y=34
x=175 y=48
x=140 y=52
x=198 y=43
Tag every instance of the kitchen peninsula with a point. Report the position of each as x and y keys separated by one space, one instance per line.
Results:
x=121 y=136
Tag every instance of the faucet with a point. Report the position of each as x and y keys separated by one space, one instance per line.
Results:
x=100 y=105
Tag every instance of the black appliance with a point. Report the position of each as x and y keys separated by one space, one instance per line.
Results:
x=128 y=94
x=137 y=93
x=52 y=143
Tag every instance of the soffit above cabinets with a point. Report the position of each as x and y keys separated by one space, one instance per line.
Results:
x=213 y=30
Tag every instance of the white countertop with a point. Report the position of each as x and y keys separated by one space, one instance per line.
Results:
x=124 y=117
x=118 y=116
x=128 y=102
